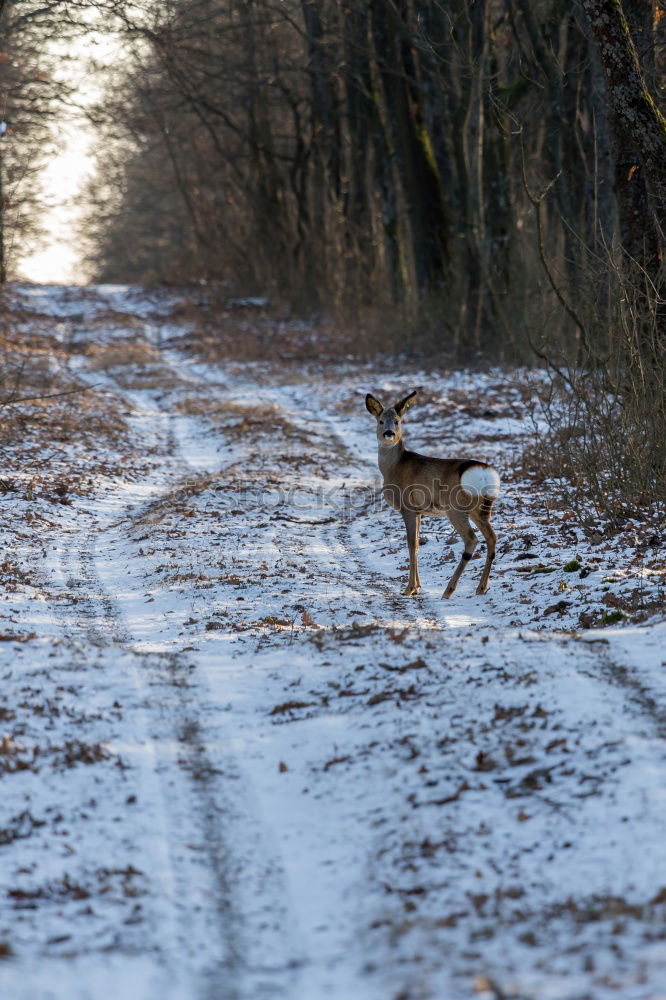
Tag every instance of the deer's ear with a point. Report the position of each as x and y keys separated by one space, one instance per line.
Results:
x=374 y=406
x=405 y=403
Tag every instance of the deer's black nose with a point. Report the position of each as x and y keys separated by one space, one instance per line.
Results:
x=388 y=434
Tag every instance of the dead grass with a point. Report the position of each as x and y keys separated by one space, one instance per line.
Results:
x=194 y=405
x=111 y=319
x=245 y=421
x=19 y=828
x=133 y=365
x=276 y=334
x=41 y=404
x=57 y=436
x=117 y=883
x=15 y=756
x=121 y=354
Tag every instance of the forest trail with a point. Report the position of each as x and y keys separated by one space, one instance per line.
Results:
x=239 y=764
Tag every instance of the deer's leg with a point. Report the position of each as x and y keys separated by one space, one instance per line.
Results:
x=412 y=525
x=460 y=522
x=481 y=519
x=416 y=551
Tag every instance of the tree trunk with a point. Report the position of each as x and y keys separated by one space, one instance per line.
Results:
x=413 y=145
x=641 y=134
x=639 y=233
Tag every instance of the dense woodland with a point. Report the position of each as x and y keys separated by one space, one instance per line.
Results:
x=460 y=157
x=484 y=176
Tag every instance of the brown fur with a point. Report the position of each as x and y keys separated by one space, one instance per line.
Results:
x=417 y=484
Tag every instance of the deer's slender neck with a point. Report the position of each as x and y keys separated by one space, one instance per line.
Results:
x=388 y=458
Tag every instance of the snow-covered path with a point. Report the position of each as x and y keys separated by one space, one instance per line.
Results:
x=240 y=764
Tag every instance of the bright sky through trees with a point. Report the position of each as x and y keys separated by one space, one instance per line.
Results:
x=58 y=258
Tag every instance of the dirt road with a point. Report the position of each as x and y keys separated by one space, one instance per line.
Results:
x=238 y=763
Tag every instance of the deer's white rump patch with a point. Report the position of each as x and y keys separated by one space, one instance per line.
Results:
x=481 y=482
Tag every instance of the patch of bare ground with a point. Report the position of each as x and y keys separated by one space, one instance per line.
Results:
x=488 y=914
x=117 y=882
x=132 y=364
x=175 y=500
x=51 y=426
x=235 y=418
x=19 y=756
x=114 y=319
x=58 y=437
x=123 y=353
x=229 y=337
x=245 y=330
x=247 y=422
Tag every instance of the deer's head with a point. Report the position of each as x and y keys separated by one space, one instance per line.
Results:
x=389 y=418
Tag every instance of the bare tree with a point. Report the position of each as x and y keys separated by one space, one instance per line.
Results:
x=30 y=102
x=639 y=124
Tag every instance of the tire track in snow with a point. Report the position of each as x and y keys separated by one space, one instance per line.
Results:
x=644 y=701
x=276 y=973
x=103 y=626
x=211 y=786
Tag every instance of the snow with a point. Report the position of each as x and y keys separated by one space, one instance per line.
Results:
x=239 y=763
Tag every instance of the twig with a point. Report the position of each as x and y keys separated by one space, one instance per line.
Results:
x=537 y=201
x=50 y=395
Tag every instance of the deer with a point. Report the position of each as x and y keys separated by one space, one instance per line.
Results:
x=462 y=489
